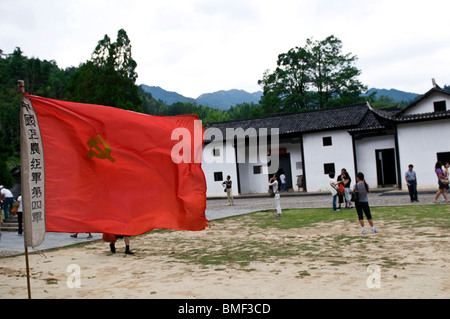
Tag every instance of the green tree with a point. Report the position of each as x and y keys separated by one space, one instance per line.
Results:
x=42 y=78
x=333 y=73
x=315 y=76
x=287 y=88
x=109 y=77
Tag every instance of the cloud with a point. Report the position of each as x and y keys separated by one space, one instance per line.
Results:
x=198 y=46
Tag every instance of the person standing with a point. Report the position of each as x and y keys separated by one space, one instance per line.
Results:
x=334 y=189
x=411 y=181
x=362 y=205
x=275 y=182
x=20 y=215
x=227 y=184
x=442 y=181
x=283 y=181
x=8 y=201
x=1 y=224
x=127 y=240
x=345 y=179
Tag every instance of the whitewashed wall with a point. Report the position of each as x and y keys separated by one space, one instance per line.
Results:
x=419 y=144
x=426 y=105
x=252 y=183
x=366 y=157
x=212 y=164
x=316 y=155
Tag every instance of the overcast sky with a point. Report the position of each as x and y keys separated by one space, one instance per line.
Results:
x=201 y=46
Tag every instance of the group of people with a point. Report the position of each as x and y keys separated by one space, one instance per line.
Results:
x=442 y=173
x=9 y=205
x=340 y=188
x=341 y=191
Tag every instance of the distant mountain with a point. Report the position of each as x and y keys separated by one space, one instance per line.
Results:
x=167 y=97
x=225 y=99
x=220 y=100
x=395 y=95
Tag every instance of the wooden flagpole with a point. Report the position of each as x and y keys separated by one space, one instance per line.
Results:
x=28 y=272
x=21 y=85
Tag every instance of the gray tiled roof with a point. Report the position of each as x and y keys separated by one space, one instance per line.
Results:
x=347 y=117
x=354 y=118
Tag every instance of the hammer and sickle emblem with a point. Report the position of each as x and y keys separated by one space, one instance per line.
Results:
x=97 y=151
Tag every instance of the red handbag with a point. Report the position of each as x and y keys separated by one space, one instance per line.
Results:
x=341 y=189
x=109 y=238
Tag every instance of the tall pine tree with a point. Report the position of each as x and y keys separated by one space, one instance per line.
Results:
x=109 y=77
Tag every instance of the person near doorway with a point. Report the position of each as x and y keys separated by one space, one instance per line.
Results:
x=227 y=184
x=283 y=181
x=442 y=181
x=345 y=179
x=334 y=189
x=411 y=181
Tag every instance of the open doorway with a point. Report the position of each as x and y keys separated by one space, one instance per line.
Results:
x=284 y=167
x=386 y=169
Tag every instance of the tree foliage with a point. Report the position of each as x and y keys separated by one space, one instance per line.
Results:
x=314 y=76
x=43 y=78
x=109 y=77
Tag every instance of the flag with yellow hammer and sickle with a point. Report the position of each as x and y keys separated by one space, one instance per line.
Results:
x=109 y=170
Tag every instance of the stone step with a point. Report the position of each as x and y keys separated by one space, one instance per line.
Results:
x=11 y=224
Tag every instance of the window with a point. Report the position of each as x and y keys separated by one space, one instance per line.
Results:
x=216 y=152
x=443 y=157
x=327 y=141
x=218 y=176
x=257 y=169
x=328 y=168
x=440 y=106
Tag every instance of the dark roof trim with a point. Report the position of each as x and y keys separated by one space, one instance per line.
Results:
x=433 y=90
x=398 y=118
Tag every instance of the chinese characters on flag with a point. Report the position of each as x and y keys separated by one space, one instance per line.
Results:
x=98 y=169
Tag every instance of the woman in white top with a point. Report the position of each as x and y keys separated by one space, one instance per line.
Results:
x=275 y=182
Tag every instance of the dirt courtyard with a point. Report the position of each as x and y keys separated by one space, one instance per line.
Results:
x=235 y=260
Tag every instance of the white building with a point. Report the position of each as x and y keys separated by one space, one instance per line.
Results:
x=378 y=142
x=423 y=130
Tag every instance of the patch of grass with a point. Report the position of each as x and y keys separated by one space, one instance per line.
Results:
x=240 y=254
x=294 y=218
x=417 y=216
x=303 y=274
x=337 y=262
x=330 y=249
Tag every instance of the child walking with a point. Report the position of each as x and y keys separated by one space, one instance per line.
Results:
x=362 y=205
x=333 y=187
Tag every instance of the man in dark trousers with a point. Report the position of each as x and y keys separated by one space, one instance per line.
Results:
x=411 y=181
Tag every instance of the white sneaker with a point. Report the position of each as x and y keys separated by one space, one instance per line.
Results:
x=374 y=230
x=363 y=231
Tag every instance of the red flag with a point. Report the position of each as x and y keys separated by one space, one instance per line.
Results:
x=108 y=170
